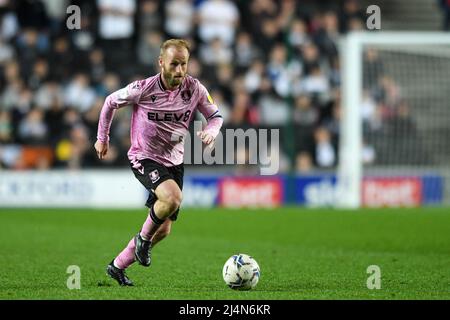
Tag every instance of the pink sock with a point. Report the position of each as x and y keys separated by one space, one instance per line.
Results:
x=126 y=257
x=151 y=225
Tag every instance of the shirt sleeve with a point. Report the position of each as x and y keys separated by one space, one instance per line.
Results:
x=210 y=111
x=129 y=95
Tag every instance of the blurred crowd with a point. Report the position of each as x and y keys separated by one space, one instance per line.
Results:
x=445 y=7
x=266 y=63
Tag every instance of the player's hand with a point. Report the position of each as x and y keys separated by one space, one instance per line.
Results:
x=206 y=138
x=101 y=148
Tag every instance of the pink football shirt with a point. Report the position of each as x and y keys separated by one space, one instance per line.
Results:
x=160 y=118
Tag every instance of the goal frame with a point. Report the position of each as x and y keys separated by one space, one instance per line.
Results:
x=350 y=166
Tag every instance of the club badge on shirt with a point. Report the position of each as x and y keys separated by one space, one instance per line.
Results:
x=154 y=176
x=186 y=95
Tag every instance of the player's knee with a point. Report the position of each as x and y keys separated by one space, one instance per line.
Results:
x=173 y=201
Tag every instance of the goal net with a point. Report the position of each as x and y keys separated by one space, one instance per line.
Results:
x=395 y=124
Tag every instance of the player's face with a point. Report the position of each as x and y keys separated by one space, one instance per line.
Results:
x=173 y=65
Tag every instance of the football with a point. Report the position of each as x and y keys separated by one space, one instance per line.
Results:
x=241 y=272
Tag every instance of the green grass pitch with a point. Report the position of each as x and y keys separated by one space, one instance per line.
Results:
x=303 y=253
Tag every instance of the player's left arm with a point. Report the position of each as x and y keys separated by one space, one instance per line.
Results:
x=214 y=119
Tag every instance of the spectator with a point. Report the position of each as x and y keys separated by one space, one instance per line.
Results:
x=273 y=109
x=372 y=68
x=79 y=147
x=116 y=19
x=49 y=94
x=260 y=11
x=335 y=73
x=195 y=68
x=325 y=153
x=316 y=83
x=245 y=51
x=56 y=12
x=244 y=113
x=84 y=39
x=62 y=58
x=78 y=94
x=149 y=49
x=32 y=129
x=388 y=94
x=90 y=118
x=109 y=84
x=96 y=65
x=332 y=123
x=303 y=162
x=149 y=17
x=9 y=24
x=6 y=131
x=6 y=52
x=23 y=101
x=368 y=112
x=288 y=11
x=305 y=118
x=327 y=36
x=269 y=35
x=297 y=34
x=406 y=146
x=254 y=76
x=39 y=75
x=445 y=6
x=310 y=57
x=12 y=71
x=116 y=28
x=224 y=78
x=179 y=22
x=282 y=72
x=355 y=24
x=11 y=95
x=10 y=156
x=30 y=45
x=218 y=19
x=305 y=114
x=368 y=154
x=216 y=53
x=350 y=10
x=54 y=115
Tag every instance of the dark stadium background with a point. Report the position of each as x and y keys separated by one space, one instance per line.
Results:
x=53 y=80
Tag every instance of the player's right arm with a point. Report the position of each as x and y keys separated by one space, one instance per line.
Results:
x=118 y=99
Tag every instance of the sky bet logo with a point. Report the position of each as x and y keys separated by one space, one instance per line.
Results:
x=170 y=116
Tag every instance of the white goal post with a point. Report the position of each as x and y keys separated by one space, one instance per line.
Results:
x=396 y=45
